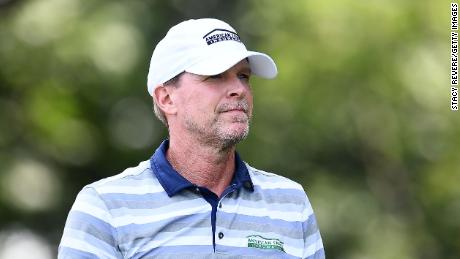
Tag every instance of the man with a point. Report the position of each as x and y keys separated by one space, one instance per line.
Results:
x=195 y=197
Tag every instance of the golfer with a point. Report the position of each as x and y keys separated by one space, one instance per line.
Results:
x=195 y=197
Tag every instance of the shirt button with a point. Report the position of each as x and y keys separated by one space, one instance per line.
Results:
x=247 y=184
x=221 y=235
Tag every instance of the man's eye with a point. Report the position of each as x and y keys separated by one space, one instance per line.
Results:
x=218 y=76
x=244 y=76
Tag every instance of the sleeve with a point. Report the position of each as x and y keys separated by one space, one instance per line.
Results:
x=88 y=232
x=313 y=243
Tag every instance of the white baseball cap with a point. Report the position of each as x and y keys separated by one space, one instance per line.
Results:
x=203 y=47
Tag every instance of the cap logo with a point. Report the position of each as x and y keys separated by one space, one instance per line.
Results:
x=218 y=35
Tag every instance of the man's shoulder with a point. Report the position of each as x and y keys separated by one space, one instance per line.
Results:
x=129 y=178
x=266 y=179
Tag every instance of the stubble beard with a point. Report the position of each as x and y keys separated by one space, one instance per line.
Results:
x=218 y=134
x=229 y=137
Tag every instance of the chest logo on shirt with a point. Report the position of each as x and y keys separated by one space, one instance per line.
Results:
x=258 y=241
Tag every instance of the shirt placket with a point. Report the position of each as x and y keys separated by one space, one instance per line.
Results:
x=221 y=230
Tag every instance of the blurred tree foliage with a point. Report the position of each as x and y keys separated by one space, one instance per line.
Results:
x=359 y=113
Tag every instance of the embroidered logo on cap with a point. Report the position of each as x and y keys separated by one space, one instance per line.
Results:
x=258 y=241
x=218 y=35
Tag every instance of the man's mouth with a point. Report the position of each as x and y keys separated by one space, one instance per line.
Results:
x=235 y=110
x=238 y=107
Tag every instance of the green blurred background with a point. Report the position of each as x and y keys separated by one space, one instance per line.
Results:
x=359 y=114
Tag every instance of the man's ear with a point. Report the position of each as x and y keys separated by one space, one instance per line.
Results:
x=162 y=96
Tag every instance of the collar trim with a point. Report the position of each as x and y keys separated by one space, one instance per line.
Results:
x=173 y=182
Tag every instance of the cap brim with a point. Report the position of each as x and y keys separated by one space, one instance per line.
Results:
x=261 y=64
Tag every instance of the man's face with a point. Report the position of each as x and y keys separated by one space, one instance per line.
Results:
x=216 y=109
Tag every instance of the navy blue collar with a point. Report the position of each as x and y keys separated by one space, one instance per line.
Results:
x=173 y=182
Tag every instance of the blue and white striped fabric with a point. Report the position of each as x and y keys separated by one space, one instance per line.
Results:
x=151 y=211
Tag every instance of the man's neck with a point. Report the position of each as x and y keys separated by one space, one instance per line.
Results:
x=205 y=166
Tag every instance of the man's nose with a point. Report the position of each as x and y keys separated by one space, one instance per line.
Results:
x=238 y=88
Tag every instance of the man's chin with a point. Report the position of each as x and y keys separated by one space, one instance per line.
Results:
x=233 y=135
x=238 y=129
x=238 y=136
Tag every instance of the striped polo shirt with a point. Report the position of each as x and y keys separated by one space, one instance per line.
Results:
x=151 y=211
